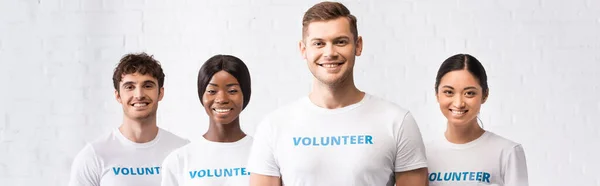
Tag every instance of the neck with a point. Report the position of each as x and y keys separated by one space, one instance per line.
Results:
x=462 y=135
x=231 y=132
x=335 y=96
x=139 y=131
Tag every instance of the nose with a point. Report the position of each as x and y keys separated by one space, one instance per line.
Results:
x=458 y=102
x=138 y=93
x=330 y=51
x=222 y=97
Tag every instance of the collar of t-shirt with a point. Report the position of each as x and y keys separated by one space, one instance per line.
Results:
x=314 y=108
x=470 y=144
x=241 y=142
x=128 y=142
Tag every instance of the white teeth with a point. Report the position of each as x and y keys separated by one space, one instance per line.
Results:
x=458 y=112
x=330 y=65
x=140 y=104
x=222 y=110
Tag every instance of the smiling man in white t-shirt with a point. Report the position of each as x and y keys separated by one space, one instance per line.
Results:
x=338 y=134
x=131 y=154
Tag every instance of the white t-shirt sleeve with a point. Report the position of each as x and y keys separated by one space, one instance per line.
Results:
x=262 y=158
x=171 y=170
x=516 y=168
x=86 y=168
x=410 y=150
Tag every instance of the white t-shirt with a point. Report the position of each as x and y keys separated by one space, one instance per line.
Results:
x=360 y=144
x=208 y=163
x=114 y=160
x=487 y=160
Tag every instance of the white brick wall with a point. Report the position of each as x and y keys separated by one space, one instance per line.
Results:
x=57 y=58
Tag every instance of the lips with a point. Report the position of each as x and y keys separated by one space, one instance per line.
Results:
x=140 y=104
x=458 y=112
x=222 y=110
x=330 y=64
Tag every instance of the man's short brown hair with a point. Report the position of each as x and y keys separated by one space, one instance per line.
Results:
x=141 y=63
x=326 y=11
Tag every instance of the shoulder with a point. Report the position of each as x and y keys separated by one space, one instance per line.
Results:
x=87 y=152
x=103 y=143
x=502 y=142
x=87 y=160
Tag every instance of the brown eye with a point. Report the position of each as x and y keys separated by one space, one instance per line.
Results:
x=342 y=42
x=448 y=93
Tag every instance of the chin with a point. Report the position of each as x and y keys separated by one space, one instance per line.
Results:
x=140 y=118
x=331 y=81
x=139 y=115
x=222 y=121
x=460 y=122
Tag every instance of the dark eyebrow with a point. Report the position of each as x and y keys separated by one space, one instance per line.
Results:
x=316 y=39
x=447 y=86
x=133 y=82
x=228 y=85
x=127 y=83
x=337 y=38
x=342 y=37
x=468 y=88
x=149 y=81
x=232 y=84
